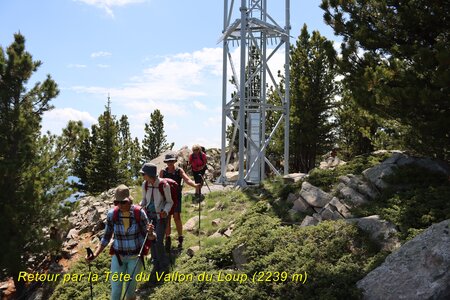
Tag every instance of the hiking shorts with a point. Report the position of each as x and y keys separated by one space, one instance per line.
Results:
x=198 y=176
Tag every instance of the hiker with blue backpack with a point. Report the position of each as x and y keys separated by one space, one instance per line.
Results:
x=131 y=229
x=177 y=174
x=198 y=161
x=157 y=199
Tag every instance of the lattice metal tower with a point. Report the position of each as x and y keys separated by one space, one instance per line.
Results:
x=259 y=37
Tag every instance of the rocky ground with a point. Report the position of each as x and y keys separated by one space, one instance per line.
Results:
x=422 y=265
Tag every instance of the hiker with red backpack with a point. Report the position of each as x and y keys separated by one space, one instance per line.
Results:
x=177 y=174
x=131 y=229
x=158 y=200
x=198 y=161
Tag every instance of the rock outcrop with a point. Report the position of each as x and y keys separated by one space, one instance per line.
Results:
x=420 y=269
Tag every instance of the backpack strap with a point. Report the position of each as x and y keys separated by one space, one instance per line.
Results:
x=162 y=181
x=115 y=217
x=136 y=213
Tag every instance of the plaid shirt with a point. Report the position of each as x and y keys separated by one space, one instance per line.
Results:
x=129 y=241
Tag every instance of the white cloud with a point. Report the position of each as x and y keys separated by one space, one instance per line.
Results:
x=56 y=119
x=103 y=66
x=100 y=54
x=213 y=121
x=176 y=78
x=185 y=87
x=199 y=105
x=76 y=66
x=107 y=5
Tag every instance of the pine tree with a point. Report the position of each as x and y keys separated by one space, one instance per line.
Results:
x=104 y=168
x=313 y=88
x=395 y=58
x=126 y=148
x=136 y=159
x=154 y=142
x=33 y=168
x=82 y=159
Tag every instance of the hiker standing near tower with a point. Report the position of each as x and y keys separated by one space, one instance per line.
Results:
x=129 y=224
x=178 y=174
x=157 y=211
x=198 y=161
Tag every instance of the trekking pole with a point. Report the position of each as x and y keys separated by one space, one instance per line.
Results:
x=89 y=254
x=204 y=180
x=199 y=218
x=135 y=265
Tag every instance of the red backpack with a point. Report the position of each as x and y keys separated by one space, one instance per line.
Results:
x=173 y=191
x=137 y=218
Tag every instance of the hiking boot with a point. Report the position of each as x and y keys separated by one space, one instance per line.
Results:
x=180 y=242
x=168 y=244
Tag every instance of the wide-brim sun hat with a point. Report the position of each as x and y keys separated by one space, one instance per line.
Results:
x=122 y=193
x=170 y=157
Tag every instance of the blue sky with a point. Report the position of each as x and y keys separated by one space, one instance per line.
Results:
x=147 y=54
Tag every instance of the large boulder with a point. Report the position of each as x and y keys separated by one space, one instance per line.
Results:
x=420 y=269
x=314 y=196
x=376 y=174
x=350 y=196
x=381 y=231
x=359 y=185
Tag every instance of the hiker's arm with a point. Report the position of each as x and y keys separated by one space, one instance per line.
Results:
x=106 y=237
x=97 y=251
x=186 y=179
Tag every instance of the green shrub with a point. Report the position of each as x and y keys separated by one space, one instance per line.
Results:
x=334 y=255
x=81 y=289
x=326 y=179
x=417 y=199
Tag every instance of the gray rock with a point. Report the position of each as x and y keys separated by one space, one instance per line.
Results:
x=291 y=198
x=426 y=163
x=215 y=234
x=318 y=217
x=232 y=176
x=83 y=211
x=192 y=250
x=239 y=257
x=294 y=177
x=309 y=221
x=337 y=216
x=216 y=222
x=314 y=196
x=73 y=234
x=326 y=213
x=302 y=206
x=420 y=269
x=228 y=232
x=375 y=174
x=340 y=207
x=350 y=196
x=191 y=224
x=381 y=231
x=361 y=186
